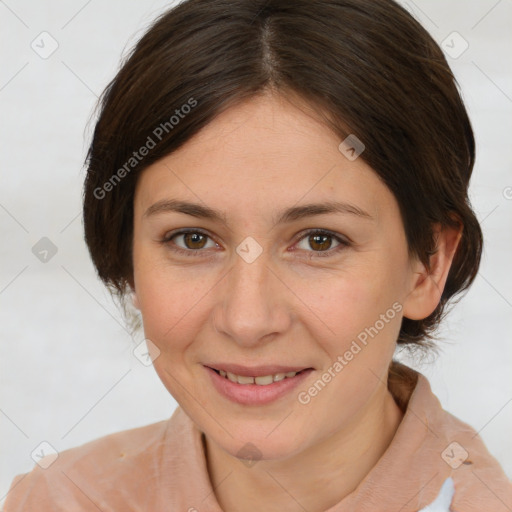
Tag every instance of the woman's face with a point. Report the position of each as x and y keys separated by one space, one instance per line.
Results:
x=252 y=291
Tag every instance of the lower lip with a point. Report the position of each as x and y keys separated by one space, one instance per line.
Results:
x=253 y=394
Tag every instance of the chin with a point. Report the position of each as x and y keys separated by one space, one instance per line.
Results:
x=252 y=442
x=259 y=449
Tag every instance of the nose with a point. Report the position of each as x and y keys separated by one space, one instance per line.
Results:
x=252 y=305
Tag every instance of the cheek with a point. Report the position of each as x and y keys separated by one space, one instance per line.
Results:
x=169 y=311
x=169 y=301
x=347 y=303
x=363 y=317
x=173 y=311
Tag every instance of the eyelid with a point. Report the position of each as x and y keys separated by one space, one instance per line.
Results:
x=312 y=231
x=171 y=234
x=343 y=241
x=166 y=240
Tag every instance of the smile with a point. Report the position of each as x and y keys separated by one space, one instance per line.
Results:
x=264 y=380
x=256 y=386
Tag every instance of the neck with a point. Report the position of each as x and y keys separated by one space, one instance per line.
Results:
x=340 y=463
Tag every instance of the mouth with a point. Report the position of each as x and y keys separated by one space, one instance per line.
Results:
x=255 y=386
x=260 y=380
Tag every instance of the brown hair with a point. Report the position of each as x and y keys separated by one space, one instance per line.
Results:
x=368 y=65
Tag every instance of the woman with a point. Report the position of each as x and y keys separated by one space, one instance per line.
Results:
x=281 y=189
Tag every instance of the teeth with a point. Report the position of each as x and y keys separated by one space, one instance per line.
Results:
x=264 y=380
x=245 y=380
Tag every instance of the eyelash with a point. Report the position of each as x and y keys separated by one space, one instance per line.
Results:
x=321 y=254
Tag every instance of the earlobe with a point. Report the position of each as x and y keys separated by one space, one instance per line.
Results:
x=428 y=283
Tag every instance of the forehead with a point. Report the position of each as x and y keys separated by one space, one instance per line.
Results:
x=260 y=154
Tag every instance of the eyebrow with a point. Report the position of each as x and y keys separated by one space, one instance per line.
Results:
x=285 y=216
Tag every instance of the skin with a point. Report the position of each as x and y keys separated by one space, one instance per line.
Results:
x=290 y=306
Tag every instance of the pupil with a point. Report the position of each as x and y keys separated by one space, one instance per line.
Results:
x=321 y=239
x=195 y=238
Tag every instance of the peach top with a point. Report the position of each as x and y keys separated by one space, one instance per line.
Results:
x=162 y=467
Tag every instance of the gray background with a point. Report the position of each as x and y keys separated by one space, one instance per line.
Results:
x=68 y=373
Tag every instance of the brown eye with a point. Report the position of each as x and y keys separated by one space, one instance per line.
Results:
x=322 y=242
x=194 y=240
x=190 y=243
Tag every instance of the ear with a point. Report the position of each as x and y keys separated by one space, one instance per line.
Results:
x=427 y=285
x=135 y=300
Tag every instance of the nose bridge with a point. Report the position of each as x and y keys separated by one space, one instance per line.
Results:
x=251 y=305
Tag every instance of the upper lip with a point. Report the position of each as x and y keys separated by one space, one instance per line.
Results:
x=255 y=371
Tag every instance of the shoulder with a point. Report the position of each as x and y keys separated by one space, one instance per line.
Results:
x=480 y=481
x=456 y=451
x=96 y=475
